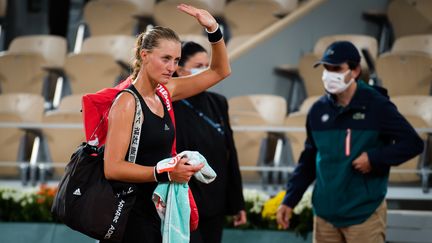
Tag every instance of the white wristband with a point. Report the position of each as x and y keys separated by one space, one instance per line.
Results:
x=214 y=31
x=154 y=174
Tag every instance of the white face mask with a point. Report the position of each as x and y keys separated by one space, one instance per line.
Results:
x=334 y=82
x=196 y=70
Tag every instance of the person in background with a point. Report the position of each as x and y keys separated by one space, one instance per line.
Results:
x=203 y=125
x=157 y=54
x=354 y=135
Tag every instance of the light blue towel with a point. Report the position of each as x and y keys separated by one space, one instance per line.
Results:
x=172 y=201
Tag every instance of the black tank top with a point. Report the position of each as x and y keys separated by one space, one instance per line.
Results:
x=157 y=136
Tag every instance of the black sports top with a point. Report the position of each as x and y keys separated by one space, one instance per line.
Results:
x=157 y=136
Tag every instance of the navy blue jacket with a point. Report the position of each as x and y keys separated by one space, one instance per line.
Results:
x=336 y=136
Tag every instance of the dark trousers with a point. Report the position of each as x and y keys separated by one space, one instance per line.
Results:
x=209 y=230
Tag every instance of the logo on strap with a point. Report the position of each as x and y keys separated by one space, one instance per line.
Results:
x=165 y=96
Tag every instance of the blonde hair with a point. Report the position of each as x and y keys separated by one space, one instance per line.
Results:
x=149 y=40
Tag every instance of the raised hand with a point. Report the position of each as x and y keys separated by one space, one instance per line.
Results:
x=203 y=17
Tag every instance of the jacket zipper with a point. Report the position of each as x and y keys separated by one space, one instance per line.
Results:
x=348 y=142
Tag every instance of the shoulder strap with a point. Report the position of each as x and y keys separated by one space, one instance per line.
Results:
x=217 y=126
x=136 y=129
x=163 y=92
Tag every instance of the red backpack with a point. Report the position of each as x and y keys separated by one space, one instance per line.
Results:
x=95 y=109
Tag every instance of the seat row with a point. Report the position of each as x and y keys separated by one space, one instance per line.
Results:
x=40 y=64
x=47 y=143
x=124 y=16
x=255 y=147
x=404 y=70
x=401 y=18
x=105 y=59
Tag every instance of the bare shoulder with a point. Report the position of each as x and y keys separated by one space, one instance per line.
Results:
x=124 y=104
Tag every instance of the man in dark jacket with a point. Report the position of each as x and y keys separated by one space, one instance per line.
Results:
x=354 y=135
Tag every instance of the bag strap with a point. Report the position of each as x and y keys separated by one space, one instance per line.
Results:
x=136 y=130
x=207 y=119
x=163 y=92
x=96 y=142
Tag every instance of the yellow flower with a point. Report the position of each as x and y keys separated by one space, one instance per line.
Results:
x=271 y=206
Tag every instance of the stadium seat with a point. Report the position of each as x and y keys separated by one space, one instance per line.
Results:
x=120 y=47
x=144 y=13
x=144 y=7
x=306 y=105
x=63 y=142
x=110 y=17
x=166 y=14
x=311 y=76
x=405 y=73
x=254 y=110
x=215 y=7
x=296 y=139
x=90 y=72
x=420 y=43
x=410 y=17
x=242 y=16
x=287 y=6
x=18 y=107
x=52 y=48
x=21 y=73
x=271 y=108
x=298 y=119
x=417 y=110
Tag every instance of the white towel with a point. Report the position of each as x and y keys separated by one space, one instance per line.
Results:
x=172 y=201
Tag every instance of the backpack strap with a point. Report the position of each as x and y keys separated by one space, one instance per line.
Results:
x=163 y=92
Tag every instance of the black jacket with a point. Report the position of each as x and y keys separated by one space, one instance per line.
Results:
x=224 y=195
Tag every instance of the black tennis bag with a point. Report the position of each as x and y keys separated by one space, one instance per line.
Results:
x=89 y=203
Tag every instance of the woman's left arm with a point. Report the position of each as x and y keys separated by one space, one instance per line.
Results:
x=187 y=86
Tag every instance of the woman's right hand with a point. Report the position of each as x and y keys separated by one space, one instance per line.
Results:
x=201 y=15
x=183 y=172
